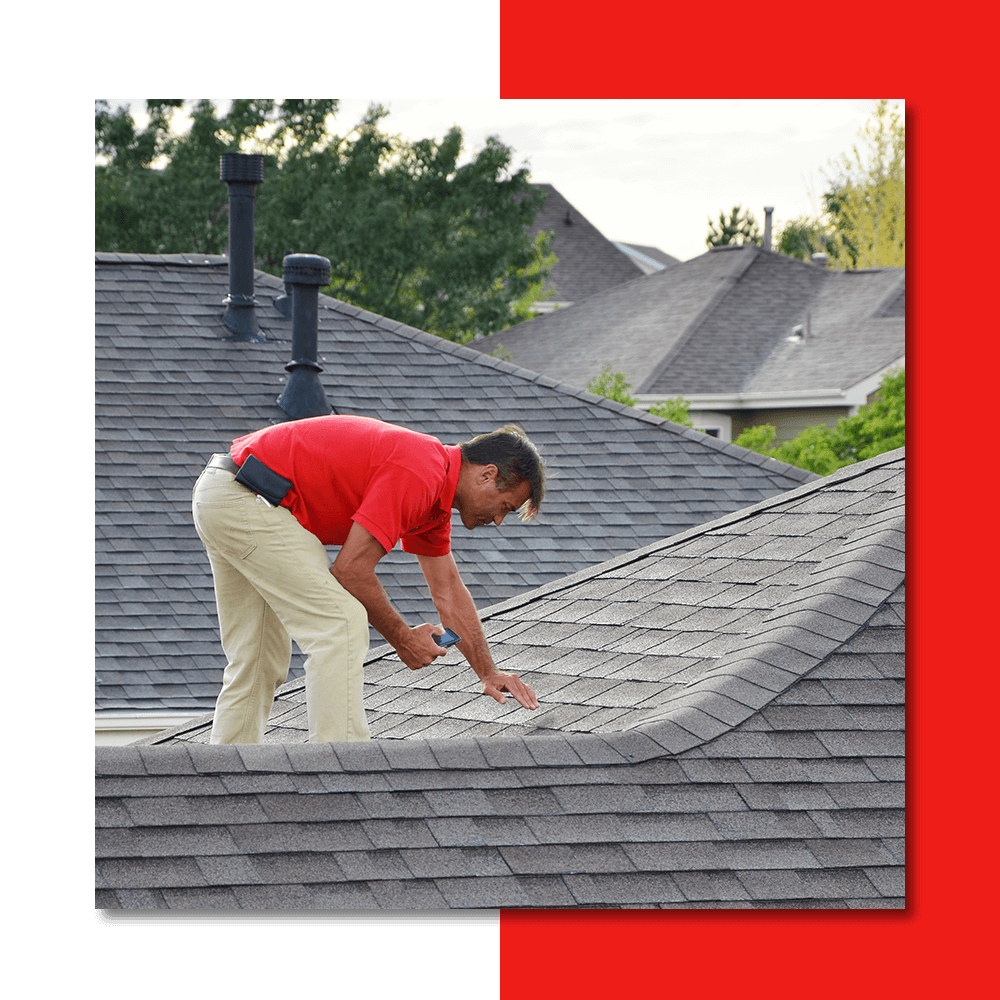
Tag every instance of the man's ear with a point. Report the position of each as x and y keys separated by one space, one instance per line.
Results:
x=486 y=474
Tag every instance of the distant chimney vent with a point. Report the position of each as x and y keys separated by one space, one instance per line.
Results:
x=801 y=331
x=304 y=396
x=242 y=172
x=768 y=209
x=821 y=259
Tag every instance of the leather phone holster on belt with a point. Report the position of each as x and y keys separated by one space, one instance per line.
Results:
x=256 y=476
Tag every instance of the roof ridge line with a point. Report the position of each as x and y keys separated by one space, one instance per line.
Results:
x=774 y=662
x=182 y=259
x=470 y=354
x=726 y=286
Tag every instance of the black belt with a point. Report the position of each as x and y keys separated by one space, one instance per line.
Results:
x=224 y=462
x=256 y=477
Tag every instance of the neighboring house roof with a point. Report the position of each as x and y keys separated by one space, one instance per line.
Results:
x=721 y=724
x=719 y=325
x=172 y=388
x=649 y=259
x=588 y=261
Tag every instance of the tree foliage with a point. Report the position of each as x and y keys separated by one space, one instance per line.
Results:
x=864 y=218
x=675 y=410
x=803 y=237
x=739 y=227
x=877 y=427
x=612 y=385
x=868 y=197
x=410 y=233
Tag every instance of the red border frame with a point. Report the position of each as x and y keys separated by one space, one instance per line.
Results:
x=562 y=51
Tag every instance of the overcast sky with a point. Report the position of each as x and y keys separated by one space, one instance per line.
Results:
x=652 y=171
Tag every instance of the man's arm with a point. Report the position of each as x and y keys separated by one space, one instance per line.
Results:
x=354 y=570
x=458 y=611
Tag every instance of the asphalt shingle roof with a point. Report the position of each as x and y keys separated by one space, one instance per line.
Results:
x=588 y=261
x=721 y=725
x=172 y=388
x=719 y=323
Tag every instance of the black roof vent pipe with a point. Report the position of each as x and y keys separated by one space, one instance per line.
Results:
x=242 y=172
x=304 y=396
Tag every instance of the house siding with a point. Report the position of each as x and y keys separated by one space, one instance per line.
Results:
x=789 y=423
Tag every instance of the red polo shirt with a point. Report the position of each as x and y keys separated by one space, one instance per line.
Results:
x=395 y=483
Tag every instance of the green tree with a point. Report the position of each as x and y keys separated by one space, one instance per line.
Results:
x=812 y=449
x=803 y=237
x=864 y=219
x=539 y=268
x=877 y=427
x=867 y=200
x=410 y=233
x=758 y=438
x=740 y=227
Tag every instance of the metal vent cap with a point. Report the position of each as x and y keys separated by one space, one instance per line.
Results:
x=247 y=168
x=305 y=269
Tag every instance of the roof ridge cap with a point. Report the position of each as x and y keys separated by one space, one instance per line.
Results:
x=810 y=613
x=183 y=259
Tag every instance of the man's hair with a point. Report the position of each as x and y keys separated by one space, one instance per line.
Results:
x=516 y=458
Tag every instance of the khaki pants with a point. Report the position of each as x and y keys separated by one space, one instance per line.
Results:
x=273 y=584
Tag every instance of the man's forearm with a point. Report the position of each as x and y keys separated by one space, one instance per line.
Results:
x=354 y=570
x=458 y=611
x=382 y=616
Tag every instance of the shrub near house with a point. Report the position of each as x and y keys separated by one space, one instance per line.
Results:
x=878 y=426
x=613 y=385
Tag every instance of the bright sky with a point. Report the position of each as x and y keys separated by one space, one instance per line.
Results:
x=651 y=171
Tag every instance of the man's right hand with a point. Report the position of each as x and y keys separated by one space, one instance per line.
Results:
x=354 y=570
x=418 y=648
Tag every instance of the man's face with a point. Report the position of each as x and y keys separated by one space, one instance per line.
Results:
x=483 y=503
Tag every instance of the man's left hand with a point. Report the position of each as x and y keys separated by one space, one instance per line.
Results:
x=496 y=684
